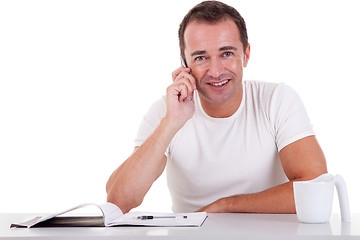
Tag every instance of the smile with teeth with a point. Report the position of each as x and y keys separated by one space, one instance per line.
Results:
x=220 y=83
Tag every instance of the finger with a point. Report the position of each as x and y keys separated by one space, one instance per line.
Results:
x=182 y=92
x=187 y=76
x=176 y=73
x=188 y=84
x=185 y=89
x=190 y=88
x=192 y=80
x=201 y=210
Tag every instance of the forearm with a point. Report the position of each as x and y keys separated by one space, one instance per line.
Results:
x=279 y=199
x=302 y=160
x=129 y=183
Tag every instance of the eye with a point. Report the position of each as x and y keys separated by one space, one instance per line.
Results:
x=227 y=54
x=200 y=58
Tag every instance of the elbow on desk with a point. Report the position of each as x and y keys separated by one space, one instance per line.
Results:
x=120 y=195
x=122 y=200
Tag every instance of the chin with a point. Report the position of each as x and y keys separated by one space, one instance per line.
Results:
x=218 y=100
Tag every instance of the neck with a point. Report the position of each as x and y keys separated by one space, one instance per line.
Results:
x=222 y=110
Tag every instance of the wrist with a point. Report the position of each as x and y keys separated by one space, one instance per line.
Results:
x=169 y=128
x=225 y=204
x=173 y=124
x=231 y=204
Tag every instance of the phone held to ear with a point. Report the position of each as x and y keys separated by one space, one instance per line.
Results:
x=183 y=62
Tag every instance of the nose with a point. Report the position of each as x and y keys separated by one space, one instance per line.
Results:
x=215 y=67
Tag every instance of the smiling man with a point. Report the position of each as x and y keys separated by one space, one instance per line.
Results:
x=228 y=145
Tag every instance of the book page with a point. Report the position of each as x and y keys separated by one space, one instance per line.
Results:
x=113 y=216
x=109 y=211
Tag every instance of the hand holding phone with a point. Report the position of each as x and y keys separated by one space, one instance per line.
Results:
x=185 y=82
x=179 y=96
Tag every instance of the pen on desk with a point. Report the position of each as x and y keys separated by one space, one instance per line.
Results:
x=155 y=217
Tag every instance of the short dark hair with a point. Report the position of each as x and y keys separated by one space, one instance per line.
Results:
x=212 y=12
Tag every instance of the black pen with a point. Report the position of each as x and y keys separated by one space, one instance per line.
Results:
x=155 y=217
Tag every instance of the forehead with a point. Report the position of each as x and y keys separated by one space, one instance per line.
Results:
x=199 y=36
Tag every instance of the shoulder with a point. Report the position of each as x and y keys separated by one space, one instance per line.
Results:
x=269 y=91
x=150 y=121
x=266 y=87
x=157 y=109
x=159 y=104
x=155 y=112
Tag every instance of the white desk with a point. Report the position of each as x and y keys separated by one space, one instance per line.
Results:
x=217 y=226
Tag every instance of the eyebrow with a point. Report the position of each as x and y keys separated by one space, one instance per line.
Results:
x=196 y=53
x=226 y=48
x=202 y=52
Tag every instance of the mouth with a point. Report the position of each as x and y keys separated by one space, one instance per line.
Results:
x=219 y=84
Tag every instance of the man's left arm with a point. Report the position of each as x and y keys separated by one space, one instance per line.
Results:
x=301 y=160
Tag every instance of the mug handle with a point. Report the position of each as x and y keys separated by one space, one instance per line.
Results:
x=343 y=198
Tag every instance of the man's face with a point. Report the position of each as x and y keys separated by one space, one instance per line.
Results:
x=215 y=55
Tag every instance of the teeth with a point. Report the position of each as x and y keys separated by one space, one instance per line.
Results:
x=220 y=83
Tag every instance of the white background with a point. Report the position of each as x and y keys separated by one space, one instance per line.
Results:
x=76 y=77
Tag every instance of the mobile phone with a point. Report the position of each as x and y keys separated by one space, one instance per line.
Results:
x=183 y=63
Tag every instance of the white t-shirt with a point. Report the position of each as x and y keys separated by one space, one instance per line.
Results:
x=210 y=158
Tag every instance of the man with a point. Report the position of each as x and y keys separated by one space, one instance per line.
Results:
x=228 y=145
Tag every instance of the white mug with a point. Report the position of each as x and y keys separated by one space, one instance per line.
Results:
x=313 y=199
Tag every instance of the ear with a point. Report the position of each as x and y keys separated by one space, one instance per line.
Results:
x=247 y=55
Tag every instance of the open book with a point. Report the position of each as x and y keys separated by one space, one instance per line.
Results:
x=113 y=216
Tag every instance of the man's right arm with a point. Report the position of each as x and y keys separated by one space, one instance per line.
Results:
x=130 y=182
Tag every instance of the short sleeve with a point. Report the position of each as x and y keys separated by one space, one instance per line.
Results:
x=151 y=121
x=288 y=116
